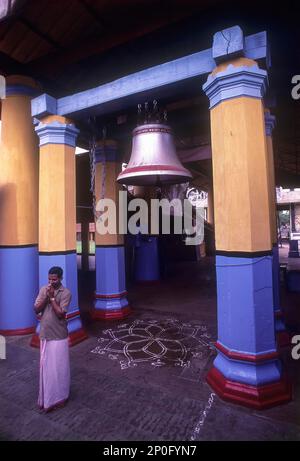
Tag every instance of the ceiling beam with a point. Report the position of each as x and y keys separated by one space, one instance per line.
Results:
x=127 y=91
x=38 y=32
x=82 y=49
x=93 y=13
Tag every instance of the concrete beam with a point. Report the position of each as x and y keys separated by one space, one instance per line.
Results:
x=228 y=44
x=128 y=90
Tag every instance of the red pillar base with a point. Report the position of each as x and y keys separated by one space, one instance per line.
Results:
x=18 y=332
x=98 y=314
x=258 y=397
x=35 y=341
x=77 y=337
x=74 y=338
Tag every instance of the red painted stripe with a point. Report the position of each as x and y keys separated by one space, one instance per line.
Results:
x=35 y=341
x=17 y=332
x=117 y=295
x=136 y=169
x=258 y=397
x=153 y=129
x=77 y=337
x=246 y=357
x=98 y=314
x=74 y=338
x=72 y=315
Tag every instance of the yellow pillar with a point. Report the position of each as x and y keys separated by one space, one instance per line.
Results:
x=247 y=368
x=240 y=174
x=18 y=208
x=57 y=211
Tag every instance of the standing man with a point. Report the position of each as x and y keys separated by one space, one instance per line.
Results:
x=51 y=305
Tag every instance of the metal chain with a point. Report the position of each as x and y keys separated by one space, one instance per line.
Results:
x=103 y=191
x=92 y=155
x=103 y=185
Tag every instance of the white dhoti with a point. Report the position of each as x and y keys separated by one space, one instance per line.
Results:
x=54 y=373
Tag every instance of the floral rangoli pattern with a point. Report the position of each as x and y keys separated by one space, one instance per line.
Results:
x=158 y=342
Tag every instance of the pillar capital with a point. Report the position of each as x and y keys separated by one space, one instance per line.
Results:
x=240 y=77
x=106 y=150
x=43 y=105
x=228 y=43
x=270 y=122
x=57 y=130
x=21 y=85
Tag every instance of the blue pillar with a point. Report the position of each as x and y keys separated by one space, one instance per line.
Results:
x=18 y=289
x=246 y=343
x=146 y=259
x=111 y=296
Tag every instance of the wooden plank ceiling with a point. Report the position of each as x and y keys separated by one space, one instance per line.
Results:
x=46 y=39
x=49 y=35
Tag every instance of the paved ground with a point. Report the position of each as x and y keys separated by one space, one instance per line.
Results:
x=135 y=395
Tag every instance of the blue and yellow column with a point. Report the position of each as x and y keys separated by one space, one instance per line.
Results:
x=282 y=335
x=57 y=212
x=18 y=209
x=247 y=369
x=111 y=296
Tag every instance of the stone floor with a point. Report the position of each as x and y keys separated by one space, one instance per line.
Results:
x=132 y=387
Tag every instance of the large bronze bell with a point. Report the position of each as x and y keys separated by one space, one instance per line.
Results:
x=153 y=158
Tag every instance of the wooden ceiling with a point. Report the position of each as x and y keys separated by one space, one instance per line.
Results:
x=61 y=42
x=45 y=36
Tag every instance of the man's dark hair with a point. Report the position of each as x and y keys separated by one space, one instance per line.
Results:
x=56 y=270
